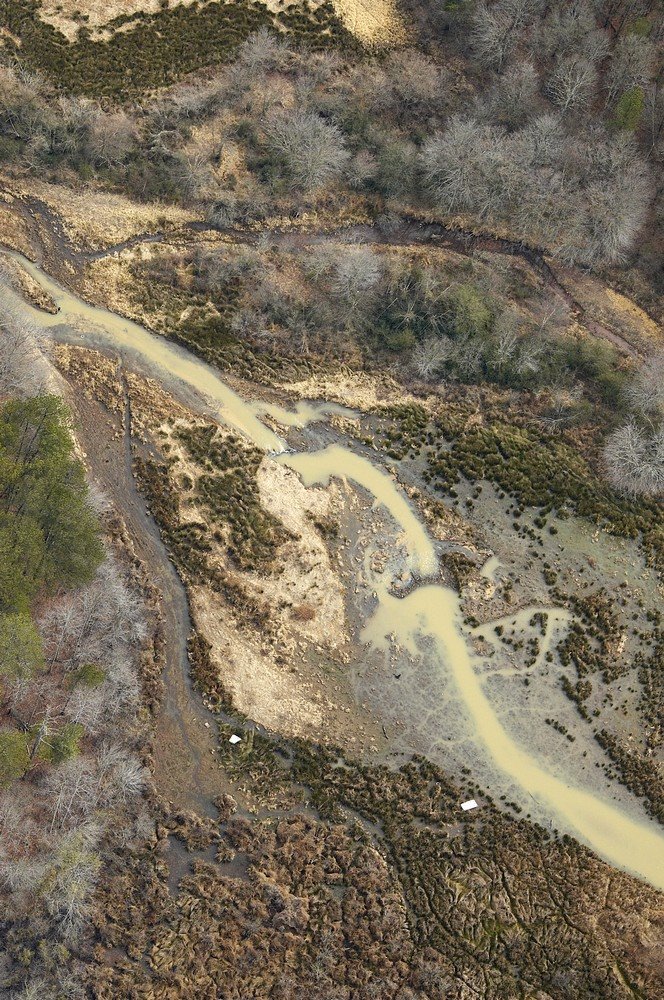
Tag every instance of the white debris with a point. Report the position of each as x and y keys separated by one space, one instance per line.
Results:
x=235 y=739
x=470 y=804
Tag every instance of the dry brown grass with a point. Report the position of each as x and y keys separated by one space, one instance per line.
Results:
x=374 y=22
x=97 y=219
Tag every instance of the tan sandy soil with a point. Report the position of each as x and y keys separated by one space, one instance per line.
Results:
x=307 y=579
x=264 y=691
x=356 y=390
x=374 y=22
x=303 y=576
x=292 y=680
x=27 y=286
x=616 y=311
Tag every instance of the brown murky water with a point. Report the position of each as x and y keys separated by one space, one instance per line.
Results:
x=430 y=613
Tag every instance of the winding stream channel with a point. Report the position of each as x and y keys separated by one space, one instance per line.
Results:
x=429 y=614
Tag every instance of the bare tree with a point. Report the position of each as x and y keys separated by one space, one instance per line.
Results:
x=515 y=98
x=570 y=29
x=467 y=355
x=223 y=211
x=362 y=168
x=646 y=392
x=496 y=29
x=397 y=166
x=530 y=356
x=541 y=142
x=631 y=65
x=122 y=686
x=187 y=101
x=634 y=460
x=653 y=118
x=564 y=403
x=71 y=879
x=21 y=108
x=262 y=51
x=87 y=706
x=320 y=260
x=506 y=343
x=466 y=168
x=36 y=989
x=193 y=175
x=612 y=202
x=617 y=13
x=313 y=150
x=585 y=197
x=111 y=138
x=417 y=81
x=119 y=775
x=430 y=356
x=96 y=623
x=572 y=83
x=72 y=792
x=67 y=130
x=357 y=271
x=22 y=367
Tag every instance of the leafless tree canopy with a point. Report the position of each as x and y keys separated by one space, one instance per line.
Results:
x=496 y=28
x=357 y=271
x=572 y=83
x=22 y=370
x=634 y=460
x=586 y=197
x=314 y=150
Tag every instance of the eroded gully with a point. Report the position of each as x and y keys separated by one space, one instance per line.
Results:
x=429 y=613
x=408 y=231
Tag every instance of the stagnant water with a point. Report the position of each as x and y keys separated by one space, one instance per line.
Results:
x=429 y=614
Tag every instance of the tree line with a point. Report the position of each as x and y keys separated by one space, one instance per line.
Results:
x=71 y=633
x=542 y=119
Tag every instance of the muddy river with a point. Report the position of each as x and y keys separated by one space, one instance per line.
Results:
x=428 y=617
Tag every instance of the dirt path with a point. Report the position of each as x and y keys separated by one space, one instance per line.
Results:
x=409 y=233
x=184 y=768
x=61 y=256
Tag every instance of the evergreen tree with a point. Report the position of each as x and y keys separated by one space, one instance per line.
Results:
x=48 y=534
x=14 y=755
x=21 y=653
x=629 y=110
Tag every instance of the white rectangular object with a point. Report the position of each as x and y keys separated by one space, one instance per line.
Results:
x=234 y=739
x=470 y=804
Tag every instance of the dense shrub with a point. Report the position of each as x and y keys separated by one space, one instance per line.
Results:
x=48 y=533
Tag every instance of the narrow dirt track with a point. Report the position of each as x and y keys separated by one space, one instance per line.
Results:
x=62 y=257
x=184 y=768
x=409 y=233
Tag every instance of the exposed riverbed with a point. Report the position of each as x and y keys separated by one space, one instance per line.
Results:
x=426 y=624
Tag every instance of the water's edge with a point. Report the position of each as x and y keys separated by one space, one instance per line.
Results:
x=430 y=611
